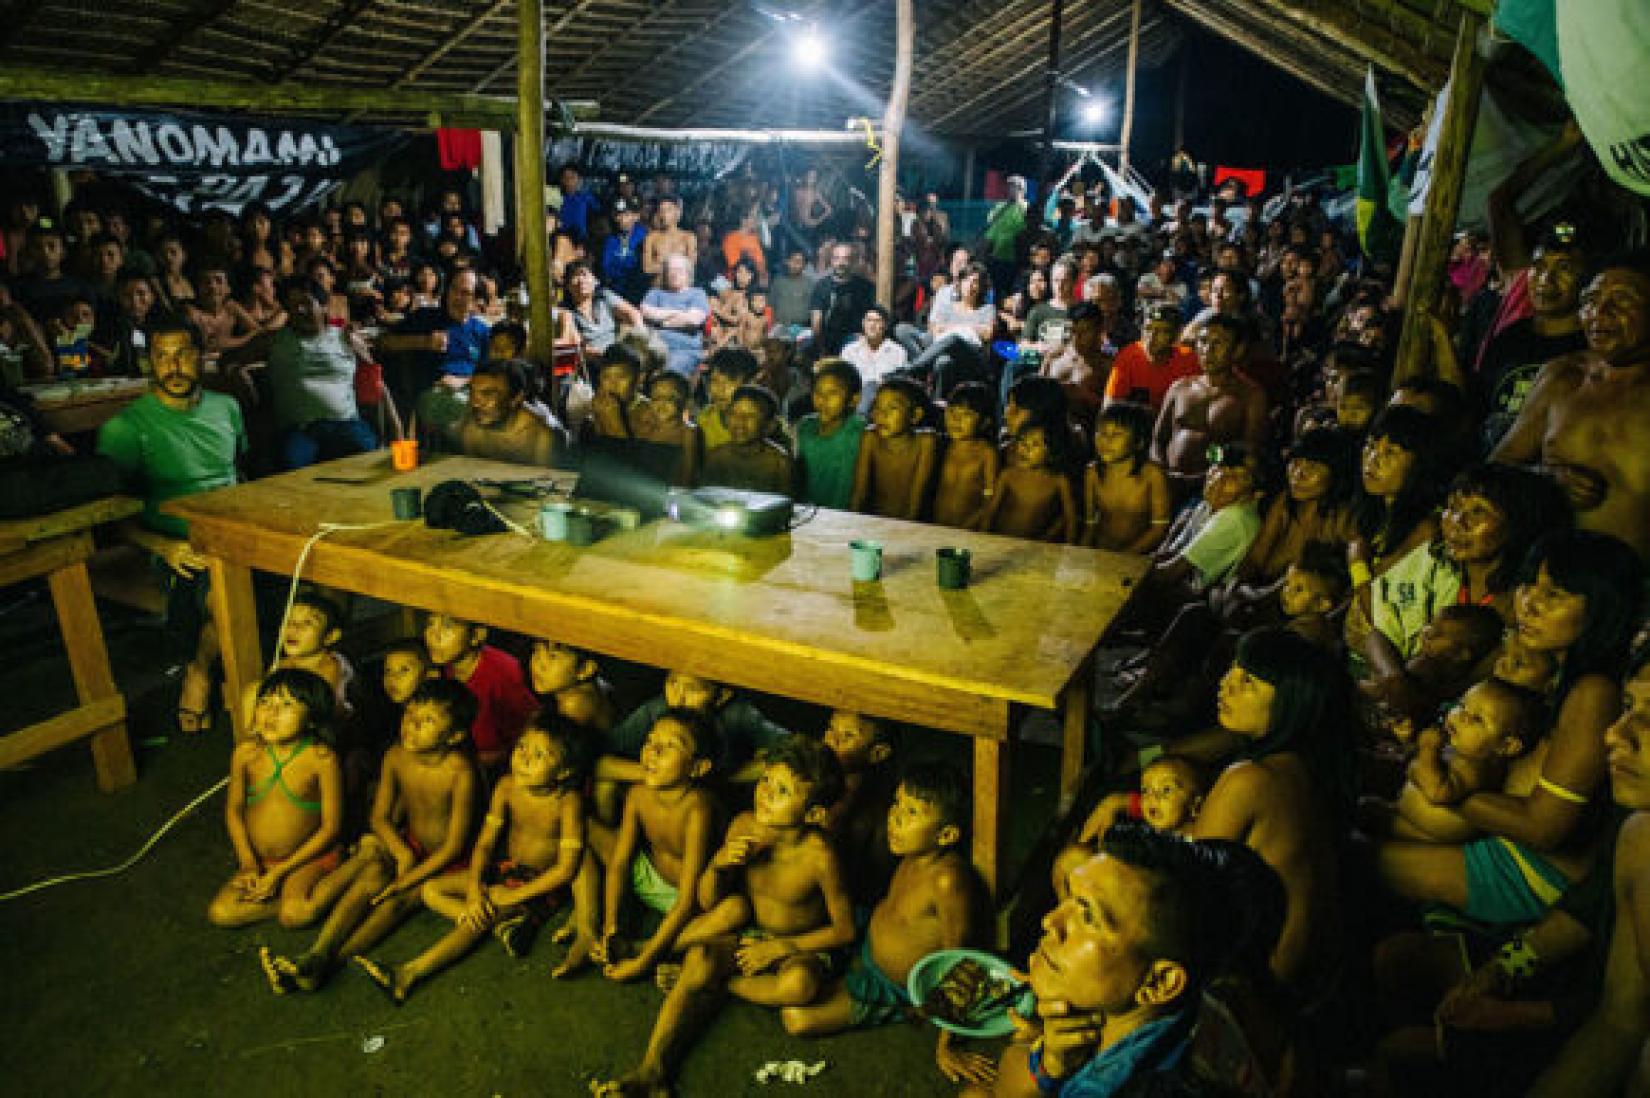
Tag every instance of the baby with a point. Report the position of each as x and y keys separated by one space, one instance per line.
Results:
x=1171 y=793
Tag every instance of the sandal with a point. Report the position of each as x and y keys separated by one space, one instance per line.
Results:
x=195 y=718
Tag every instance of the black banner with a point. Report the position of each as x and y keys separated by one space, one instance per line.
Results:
x=193 y=161
x=679 y=160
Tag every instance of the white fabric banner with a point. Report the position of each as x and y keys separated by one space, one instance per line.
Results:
x=1604 y=50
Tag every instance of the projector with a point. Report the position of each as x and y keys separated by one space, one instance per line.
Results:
x=754 y=514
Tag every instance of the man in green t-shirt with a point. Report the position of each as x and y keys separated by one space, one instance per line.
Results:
x=176 y=440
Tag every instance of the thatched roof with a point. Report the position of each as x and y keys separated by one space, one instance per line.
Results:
x=979 y=68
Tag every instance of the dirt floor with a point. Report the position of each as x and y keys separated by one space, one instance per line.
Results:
x=119 y=986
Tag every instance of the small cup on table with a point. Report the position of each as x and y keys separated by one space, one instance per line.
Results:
x=867 y=560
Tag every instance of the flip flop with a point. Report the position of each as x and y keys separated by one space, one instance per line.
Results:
x=193 y=721
x=385 y=980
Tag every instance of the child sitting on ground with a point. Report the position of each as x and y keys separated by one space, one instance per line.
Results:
x=669 y=424
x=1494 y=723
x=405 y=668
x=422 y=821
x=1405 y=694
x=777 y=913
x=539 y=805
x=935 y=901
x=742 y=732
x=571 y=682
x=286 y=808
x=1033 y=498
x=864 y=748
x=314 y=626
x=969 y=469
x=896 y=457
x=618 y=408
x=751 y=330
x=458 y=650
x=1171 y=792
x=728 y=370
x=670 y=826
x=750 y=460
x=1126 y=500
x=828 y=438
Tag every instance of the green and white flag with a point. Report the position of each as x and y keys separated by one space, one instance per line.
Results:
x=1379 y=233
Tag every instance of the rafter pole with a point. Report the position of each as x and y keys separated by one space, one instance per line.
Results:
x=893 y=124
x=530 y=188
x=992 y=41
x=330 y=31
x=15 y=17
x=1128 y=89
x=1347 y=92
x=1004 y=104
x=1051 y=92
x=562 y=22
x=1373 y=44
x=450 y=41
x=568 y=78
x=705 y=28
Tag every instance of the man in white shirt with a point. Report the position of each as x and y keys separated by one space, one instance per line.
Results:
x=874 y=354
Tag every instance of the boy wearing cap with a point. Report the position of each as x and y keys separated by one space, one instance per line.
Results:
x=1143 y=371
x=622 y=252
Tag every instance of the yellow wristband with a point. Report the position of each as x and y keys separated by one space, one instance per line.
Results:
x=1560 y=792
x=1360 y=573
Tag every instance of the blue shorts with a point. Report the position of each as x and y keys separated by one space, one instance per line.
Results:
x=878 y=1001
x=1508 y=884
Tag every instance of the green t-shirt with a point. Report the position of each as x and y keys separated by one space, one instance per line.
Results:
x=1002 y=230
x=167 y=454
x=1046 y=317
x=828 y=462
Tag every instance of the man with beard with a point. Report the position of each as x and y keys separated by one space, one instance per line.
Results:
x=840 y=303
x=1585 y=417
x=499 y=425
x=177 y=440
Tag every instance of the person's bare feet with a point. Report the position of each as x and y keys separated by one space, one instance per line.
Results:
x=666 y=976
x=642 y=1081
x=307 y=973
x=387 y=979
x=578 y=955
x=195 y=700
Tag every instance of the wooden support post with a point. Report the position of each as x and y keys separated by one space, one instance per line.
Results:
x=1079 y=693
x=1051 y=92
x=94 y=683
x=541 y=335
x=968 y=175
x=893 y=123
x=1128 y=90
x=1449 y=169
x=990 y=786
x=235 y=613
x=1406 y=259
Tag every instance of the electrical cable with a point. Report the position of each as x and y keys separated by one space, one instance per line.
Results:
x=292 y=596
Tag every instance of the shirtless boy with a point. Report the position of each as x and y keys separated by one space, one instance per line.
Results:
x=667 y=238
x=777 y=912
x=618 y=408
x=1125 y=494
x=539 y=805
x=1034 y=497
x=934 y=902
x=896 y=456
x=1216 y=406
x=310 y=643
x=572 y=683
x=751 y=460
x=668 y=424
x=664 y=841
x=969 y=470
x=285 y=809
x=421 y=825
x=1585 y=419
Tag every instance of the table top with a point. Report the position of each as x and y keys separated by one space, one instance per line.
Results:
x=730 y=607
x=16 y=534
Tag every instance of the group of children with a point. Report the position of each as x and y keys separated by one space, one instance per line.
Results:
x=895 y=454
x=692 y=841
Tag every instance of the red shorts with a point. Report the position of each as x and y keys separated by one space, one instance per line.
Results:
x=458 y=865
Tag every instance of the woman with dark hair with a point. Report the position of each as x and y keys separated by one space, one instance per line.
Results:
x=1291 y=788
x=1321 y=476
x=1578 y=602
x=1394 y=509
x=597 y=313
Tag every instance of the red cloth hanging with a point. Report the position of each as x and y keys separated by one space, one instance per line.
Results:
x=460 y=149
x=1253 y=179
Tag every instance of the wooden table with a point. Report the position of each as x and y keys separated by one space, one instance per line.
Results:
x=57 y=546
x=73 y=408
x=777 y=614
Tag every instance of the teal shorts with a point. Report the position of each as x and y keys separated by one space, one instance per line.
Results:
x=1508 y=884
x=877 y=1000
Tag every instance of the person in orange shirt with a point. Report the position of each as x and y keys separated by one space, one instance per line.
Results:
x=743 y=243
x=1143 y=371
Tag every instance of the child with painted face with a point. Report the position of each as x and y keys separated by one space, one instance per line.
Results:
x=969 y=469
x=777 y=913
x=538 y=811
x=286 y=808
x=933 y=902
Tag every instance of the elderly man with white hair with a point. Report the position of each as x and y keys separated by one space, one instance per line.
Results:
x=677 y=311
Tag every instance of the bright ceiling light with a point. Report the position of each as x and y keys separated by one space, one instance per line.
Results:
x=1094 y=112
x=808 y=48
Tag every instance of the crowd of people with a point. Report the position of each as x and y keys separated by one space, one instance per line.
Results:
x=1373 y=772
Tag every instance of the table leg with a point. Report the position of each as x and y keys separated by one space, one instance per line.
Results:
x=990 y=784
x=236 y=616
x=71 y=589
x=1079 y=693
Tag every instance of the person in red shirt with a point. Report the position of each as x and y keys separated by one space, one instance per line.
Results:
x=458 y=650
x=1144 y=370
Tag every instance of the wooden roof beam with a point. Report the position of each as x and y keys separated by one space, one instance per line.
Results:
x=178 y=30
x=1374 y=44
x=450 y=41
x=1002 y=34
x=1195 y=10
x=1073 y=50
x=573 y=12
x=1006 y=105
x=566 y=79
x=15 y=16
x=337 y=24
